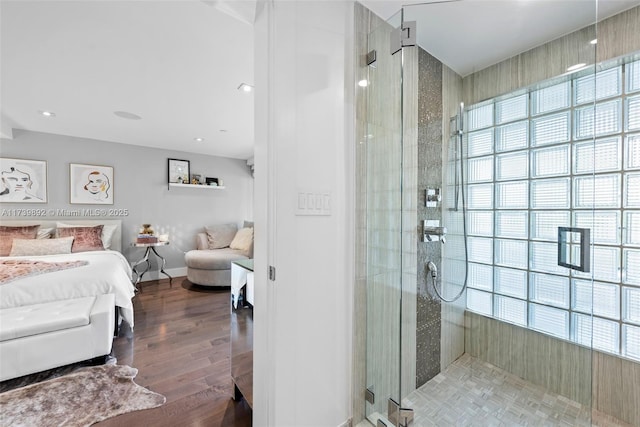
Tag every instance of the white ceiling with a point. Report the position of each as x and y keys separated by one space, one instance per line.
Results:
x=470 y=35
x=177 y=64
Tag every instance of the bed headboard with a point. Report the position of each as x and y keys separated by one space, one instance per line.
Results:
x=116 y=242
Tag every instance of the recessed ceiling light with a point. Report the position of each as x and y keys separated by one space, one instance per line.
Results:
x=576 y=66
x=363 y=83
x=223 y=130
x=127 y=115
x=594 y=41
x=198 y=139
x=47 y=113
x=245 y=87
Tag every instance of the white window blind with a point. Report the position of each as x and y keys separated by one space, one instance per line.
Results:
x=550 y=320
x=553 y=161
x=604 y=84
x=552 y=98
x=633 y=76
x=631 y=341
x=480 y=117
x=550 y=129
x=512 y=224
x=633 y=116
x=631 y=305
x=513 y=136
x=510 y=309
x=480 y=276
x=603 y=156
x=511 y=282
x=513 y=108
x=480 y=302
x=632 y=145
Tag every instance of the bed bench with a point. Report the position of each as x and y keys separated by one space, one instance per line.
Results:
x=42 y=336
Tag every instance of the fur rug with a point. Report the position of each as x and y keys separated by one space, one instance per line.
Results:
x=81 y=398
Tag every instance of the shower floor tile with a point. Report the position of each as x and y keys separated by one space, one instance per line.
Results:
x=471 y=392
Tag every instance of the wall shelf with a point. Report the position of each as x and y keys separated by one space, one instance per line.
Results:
x=207 y=187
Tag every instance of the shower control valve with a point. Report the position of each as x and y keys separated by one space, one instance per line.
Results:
x=432 y=231
x=432 y=197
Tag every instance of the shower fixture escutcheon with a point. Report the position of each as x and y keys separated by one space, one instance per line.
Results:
x=432 y=196
x=433 y=232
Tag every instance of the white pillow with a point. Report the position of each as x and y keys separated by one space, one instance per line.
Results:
x=108 y=230
x=221 y=235
x=243 y=239
x=33 y=247
x=44 y=233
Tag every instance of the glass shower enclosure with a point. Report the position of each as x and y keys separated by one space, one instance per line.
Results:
x=500 y=186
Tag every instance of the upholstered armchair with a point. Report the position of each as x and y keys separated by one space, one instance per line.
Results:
x=216 y=248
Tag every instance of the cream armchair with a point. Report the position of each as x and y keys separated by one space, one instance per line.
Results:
x=216 y=248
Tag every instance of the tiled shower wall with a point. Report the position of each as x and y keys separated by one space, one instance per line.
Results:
x=611 y=384
x=617 y=36
x=440 y=325
x=429 y=176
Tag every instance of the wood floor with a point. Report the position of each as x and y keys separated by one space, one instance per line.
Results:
x=181 y=348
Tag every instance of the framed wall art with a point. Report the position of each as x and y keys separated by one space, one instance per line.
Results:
x=23 y=181
x=179 y=171
x=91 y=184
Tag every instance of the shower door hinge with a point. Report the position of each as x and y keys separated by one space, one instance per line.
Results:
x=371 y=58
x=399 y=417
x=403 y=36
x=369 y=396
x=272 y=273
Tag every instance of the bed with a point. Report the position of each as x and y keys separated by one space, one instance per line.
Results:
x=39 y=309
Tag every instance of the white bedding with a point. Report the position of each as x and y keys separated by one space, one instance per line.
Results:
x=107 y=272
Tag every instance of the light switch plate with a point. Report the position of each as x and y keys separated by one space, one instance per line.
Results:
x=313 y=202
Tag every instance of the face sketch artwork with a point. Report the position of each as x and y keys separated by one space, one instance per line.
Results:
x=18 y=185
x=97 y=186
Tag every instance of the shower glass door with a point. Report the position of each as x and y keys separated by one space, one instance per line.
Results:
x=383 y=186
x=531 y=135
x=541 y=151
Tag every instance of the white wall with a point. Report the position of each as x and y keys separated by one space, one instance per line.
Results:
x=140 y=187
x=304 y=140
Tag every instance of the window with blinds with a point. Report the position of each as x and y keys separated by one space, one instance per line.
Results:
x=566 y=154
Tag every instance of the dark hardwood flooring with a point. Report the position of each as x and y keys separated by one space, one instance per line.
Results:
x=181 y=347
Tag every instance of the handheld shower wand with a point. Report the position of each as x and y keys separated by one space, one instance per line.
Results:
x=458 y=132
x=431 y=267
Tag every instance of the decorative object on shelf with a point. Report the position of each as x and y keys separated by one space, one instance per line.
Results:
x=212 y=181
x=146 y=238
x=196 y=178
x=146 y=229
x=146 y=235
x=203 y=187
x=179 y=171
x=23 y=181
x=90 y=184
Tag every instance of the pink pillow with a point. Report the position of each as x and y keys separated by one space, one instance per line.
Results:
x=85 y=238
x=8 y=233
